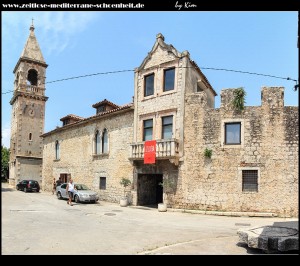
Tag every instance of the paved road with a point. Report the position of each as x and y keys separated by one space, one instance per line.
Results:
x=38 y=223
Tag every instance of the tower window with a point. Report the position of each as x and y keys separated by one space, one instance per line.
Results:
x=32 y=77
x=30 y=136
x=199 y=89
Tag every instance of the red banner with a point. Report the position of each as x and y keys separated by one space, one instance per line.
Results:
x=149 y=152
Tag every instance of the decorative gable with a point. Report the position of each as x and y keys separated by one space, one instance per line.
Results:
x=160 y=53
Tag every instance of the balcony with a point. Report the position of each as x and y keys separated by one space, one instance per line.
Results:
x=165 y=149
x=31 y=89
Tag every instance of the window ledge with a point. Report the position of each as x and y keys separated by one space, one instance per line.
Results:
x=166 y=92
x=56 y=160
x=234 y=146
x=145 y=98
x=100 y=156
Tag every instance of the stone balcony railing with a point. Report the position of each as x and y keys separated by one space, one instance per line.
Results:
x=165 y=149
x=31 y=89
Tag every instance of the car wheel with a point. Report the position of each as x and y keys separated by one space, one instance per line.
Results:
x=76 y=198
x=59 y=195
x=17 y=187
x=25 y=189
x=38 y=190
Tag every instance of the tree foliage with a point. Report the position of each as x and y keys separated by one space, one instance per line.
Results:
x=4 y=162
x=125 y=182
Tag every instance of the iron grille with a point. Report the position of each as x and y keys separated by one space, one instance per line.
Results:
x=250 y=180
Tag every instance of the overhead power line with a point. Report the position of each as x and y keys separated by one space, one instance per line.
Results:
x=208 y=68
x=246 y=72
x=88 y=75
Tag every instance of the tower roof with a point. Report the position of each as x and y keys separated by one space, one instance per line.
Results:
x=32 y=49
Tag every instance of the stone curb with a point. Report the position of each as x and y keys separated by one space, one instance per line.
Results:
x=220 y=213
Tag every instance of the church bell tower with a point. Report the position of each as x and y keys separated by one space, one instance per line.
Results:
x=28 y=113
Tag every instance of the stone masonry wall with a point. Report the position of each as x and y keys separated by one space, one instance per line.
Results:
x=269 y=145
x=77 y=158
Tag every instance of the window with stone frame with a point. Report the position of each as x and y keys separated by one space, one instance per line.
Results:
x=147 y=129
x=169 y=79
x=57 y=150
x=97 y=142
x=102 y=184
x=104 y=141
x=249 y=180
x=233 y=133
x=167 y=127
x=149 y=85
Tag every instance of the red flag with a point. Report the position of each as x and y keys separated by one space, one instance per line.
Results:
x=149 y=152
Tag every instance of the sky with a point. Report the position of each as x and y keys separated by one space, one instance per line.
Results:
x=76 y=43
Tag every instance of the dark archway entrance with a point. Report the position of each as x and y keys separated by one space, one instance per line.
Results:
x=149 y=192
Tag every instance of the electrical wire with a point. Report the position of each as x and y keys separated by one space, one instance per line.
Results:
x=208 y=68
x=246 y=72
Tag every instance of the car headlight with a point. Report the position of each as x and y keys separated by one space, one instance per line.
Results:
x=85 y=195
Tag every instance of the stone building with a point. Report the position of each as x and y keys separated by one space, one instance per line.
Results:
x=28 y=113
x=254 y=152
x=93 y=150
x=221 y=159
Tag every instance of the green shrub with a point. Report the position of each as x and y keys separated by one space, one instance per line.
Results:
x=207 y=153
x=239 y=99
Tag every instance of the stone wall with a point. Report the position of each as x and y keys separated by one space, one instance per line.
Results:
x=269 y=145
x=78 y=160
x=24 y=127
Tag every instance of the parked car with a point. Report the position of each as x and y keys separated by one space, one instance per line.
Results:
x=81 y=194
x=28 y=185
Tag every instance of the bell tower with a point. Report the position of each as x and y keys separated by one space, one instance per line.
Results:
x=28 y=113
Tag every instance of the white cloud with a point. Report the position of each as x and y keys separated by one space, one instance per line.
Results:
x=60 y=29
x=56 y=30
x=6 y=136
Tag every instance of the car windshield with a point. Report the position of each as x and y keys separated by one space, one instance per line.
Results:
x=81 y=187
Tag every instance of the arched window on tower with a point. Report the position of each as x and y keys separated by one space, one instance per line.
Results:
x=30 y=136
x=97 y=142
x=32 y=77
x=57 y=150
x=104 y=141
